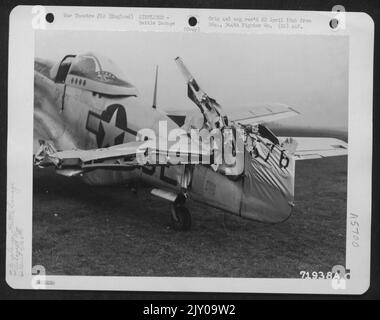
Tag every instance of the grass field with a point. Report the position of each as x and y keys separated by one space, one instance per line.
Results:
x=85 y=230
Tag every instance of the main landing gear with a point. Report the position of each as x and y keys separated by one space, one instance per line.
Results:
x=180 y=215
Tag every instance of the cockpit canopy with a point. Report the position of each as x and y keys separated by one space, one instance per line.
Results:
x=95 y=73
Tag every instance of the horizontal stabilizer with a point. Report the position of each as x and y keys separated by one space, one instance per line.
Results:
x=304 y=148
x=260 y=114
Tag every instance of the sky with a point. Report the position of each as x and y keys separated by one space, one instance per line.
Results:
x=307 y=72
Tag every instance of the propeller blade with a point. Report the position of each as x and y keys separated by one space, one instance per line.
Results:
x=154 y=106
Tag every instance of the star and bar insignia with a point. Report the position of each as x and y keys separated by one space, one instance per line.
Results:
x=110 y=126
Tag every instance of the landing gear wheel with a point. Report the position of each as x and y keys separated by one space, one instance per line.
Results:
x=181 y=218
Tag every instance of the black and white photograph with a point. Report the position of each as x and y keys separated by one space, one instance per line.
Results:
x=279 y=209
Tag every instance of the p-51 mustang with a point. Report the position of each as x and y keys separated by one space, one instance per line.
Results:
x=89 y=121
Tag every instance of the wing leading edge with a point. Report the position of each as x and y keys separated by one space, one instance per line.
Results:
x=122 y=156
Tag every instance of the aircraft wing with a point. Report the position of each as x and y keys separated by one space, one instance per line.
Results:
x=260 y=113
x=122 y=156
x=314 y=148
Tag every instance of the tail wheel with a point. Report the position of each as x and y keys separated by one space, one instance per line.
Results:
x=181 y=218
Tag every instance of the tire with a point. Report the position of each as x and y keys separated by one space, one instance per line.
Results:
x=181 y=218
